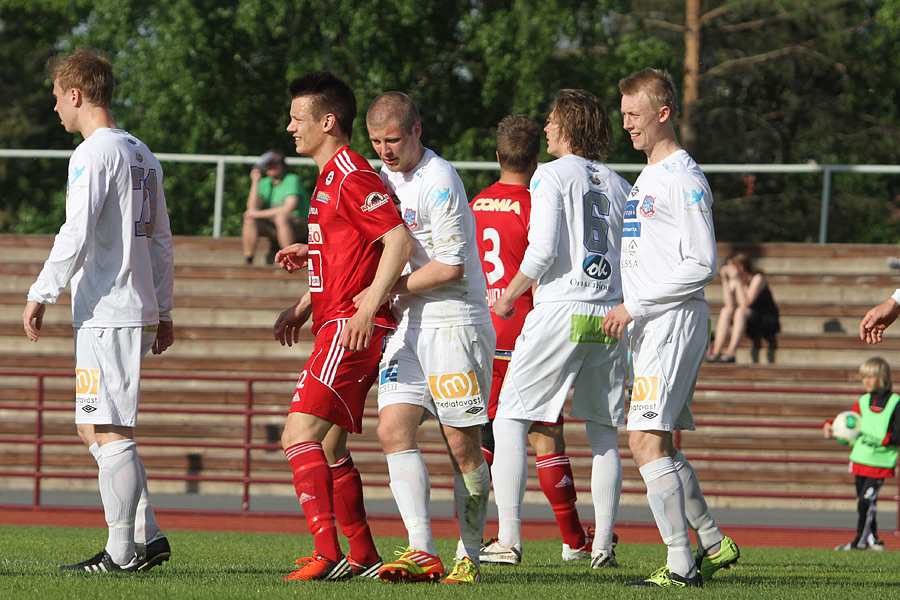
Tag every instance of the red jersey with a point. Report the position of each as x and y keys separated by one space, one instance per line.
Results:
x=349 y=211
x=502 y=214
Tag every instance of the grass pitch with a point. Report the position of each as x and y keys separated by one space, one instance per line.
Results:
x=240 y=565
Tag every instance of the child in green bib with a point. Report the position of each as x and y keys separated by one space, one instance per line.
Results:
x=874 y=453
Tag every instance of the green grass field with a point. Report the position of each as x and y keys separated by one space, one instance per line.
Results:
x=239 y=565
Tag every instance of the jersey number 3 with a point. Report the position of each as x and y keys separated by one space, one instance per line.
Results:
x=492 y=256
x=147 y=187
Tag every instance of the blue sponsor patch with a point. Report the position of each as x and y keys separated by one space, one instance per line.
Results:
x=693 y=197
x=631 y=230
x=389 y=374
x=596 y=267
x=631 y=209
x=535 y=184
x=439 y=196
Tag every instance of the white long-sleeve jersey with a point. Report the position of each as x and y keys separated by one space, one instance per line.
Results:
x=116 y=244
x=433 y=204
x=668 y=240
x=575 y=233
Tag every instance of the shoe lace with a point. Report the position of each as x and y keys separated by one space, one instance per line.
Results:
x=304 y=560
x=462 y=566
x=401 y=551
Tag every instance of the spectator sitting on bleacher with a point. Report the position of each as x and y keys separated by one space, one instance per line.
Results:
x=277 y=207
x=749 y=309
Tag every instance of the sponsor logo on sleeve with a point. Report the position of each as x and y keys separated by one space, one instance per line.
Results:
x=323 y=197
x=439 y=196
x=694 y=199
x=534 y=184
x=648 y=206
x=374 y=200
x=139 y=157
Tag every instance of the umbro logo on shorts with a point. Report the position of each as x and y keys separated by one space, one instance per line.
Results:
x=88 y=408
x=650 y=415
x=475 y=410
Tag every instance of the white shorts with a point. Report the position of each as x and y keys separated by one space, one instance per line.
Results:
x=446 y=370
x=561 y=343
x=667 y=352
x=108 y=373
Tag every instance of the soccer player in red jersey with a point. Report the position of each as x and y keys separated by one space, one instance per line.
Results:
x=502 y=214
x=356 y=241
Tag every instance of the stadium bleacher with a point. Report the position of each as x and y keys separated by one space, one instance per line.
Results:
x=224 y=316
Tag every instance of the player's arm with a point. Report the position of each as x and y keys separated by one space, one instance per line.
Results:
x=398 y=247
x=698 y=250
x=879 y=318
x=291 y=320
x=520 y=283
x=543 y=240
x=293 y=257
x=162 y=260
x=86 y=192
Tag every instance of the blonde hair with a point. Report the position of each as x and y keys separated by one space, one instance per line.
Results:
x=658 y=85
x=877 y=367
x=393 y=108
x=86 y=70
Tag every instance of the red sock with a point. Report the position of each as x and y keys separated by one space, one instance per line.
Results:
x=488 y=456
x=312 y=481
x=555 y=475
x=351 y=511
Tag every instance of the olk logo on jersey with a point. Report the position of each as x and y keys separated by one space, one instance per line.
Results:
x=453 y=386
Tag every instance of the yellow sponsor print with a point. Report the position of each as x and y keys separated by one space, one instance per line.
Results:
x=646 y=389
x=453 y=385
x=87 y=382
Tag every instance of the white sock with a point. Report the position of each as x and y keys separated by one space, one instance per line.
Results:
x=471 y=491
x=666 y=496
x=120 y=490
x=145 y=525
x=695 y=507
x=606 y=481
x=412 y=492
x=510 y=474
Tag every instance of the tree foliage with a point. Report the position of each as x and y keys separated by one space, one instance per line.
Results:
x=781 y=81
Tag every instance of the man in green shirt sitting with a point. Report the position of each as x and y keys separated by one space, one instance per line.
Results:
x=277 y=207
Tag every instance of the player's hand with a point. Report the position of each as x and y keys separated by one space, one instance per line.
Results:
x=358 y=298
x=293 y=257
x=503 y=308
x=34 y=311
x=165 y=337
x=871 y=328
x=289 y=323
x=828 y=430
x=616 y=321
x=357 y=332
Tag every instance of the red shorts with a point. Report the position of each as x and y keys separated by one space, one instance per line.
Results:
x=334 y=383
x=501 y=365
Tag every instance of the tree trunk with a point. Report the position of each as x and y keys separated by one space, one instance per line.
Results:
x=691 y=75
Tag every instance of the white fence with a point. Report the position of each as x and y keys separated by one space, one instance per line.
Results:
x=221 y=160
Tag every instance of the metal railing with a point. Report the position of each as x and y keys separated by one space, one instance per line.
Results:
x=826 y=170
x=247 y=413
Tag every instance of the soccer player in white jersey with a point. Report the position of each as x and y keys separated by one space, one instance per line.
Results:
x=438 y=361
x=577 y=204
x=116 y=249
x=668 y=257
